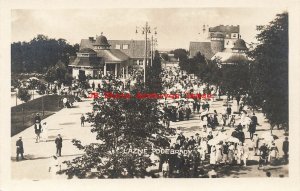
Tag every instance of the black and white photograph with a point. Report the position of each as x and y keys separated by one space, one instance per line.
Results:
x=150 y=93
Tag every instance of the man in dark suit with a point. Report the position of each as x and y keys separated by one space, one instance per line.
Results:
x=285 y=149
x=20 y=149
x=58 y=142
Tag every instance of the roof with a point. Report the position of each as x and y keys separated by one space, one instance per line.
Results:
x=87 y=50
x=240 y=44
x=202 y=47
x=112 y=55
x=87 y=61
x=230 y=57
x=226 y=28
x=136 y=48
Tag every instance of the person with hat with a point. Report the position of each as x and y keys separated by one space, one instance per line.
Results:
x=37 y=127
x=58 y=142
x=285 y=149
x=180 y=138
x=20 y=149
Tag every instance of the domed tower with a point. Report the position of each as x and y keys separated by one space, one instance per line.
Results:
x=217 y=42
x=101 y=42
x=239 y=46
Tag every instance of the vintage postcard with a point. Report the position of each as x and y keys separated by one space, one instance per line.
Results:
x=120 y=96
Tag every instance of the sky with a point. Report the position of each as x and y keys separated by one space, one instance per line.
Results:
x=176 y=27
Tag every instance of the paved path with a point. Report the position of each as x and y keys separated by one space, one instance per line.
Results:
x=67 y=123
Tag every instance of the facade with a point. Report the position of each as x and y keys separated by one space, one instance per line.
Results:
x=98 y=57
x=222 y=42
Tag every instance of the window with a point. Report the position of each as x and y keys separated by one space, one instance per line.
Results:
x=125 y=46
x=118 y=46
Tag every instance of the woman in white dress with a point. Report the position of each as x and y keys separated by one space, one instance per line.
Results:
x=239 y=153
x=212 y=159
x=219 y=155
x=45 y=132
x=246 y=154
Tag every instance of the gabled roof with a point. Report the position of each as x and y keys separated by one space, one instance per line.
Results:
x=136 y=48
x=112 y=55
x=202 y=47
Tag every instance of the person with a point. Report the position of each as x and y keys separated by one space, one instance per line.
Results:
x=58 y=142
x=54 y=167
x=197 y=139
x=37 y=127
x=239 y=153
x=212 y=159
x=165 y=169
x=45 y=132
x=180 y=138
x=285 y=149
x=20 y=149
x=65 y=100
x=219 y=152
x=225 y=153
x=93 y=85
x=256 y=143
x=263 y=154
x=82 y=119
x=245 y=154
x=231 y=151
x=209 y=137
x=188 y=112
x=273 y=153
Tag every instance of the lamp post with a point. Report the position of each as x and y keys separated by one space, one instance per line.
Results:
x=145 y=31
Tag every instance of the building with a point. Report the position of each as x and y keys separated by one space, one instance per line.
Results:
x=98 y=57
x=222 y=43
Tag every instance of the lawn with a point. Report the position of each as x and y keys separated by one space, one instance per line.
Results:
x=22 y=119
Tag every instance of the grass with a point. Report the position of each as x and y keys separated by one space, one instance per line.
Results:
x=22 y=119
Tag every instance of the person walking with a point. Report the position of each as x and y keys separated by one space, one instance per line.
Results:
x=82 y=119
x=285 y=149
x=54 y=167
x=37 y=127
x=58 y=142
x=45 y=132
x=20 y=149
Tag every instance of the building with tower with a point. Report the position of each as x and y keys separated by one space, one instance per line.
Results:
x=98 y=57
x=220 y=42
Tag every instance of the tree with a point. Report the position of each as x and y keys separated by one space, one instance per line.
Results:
x=40 y=53
x=269 y=76
x=120 y=124
x=153 y=78
x=23 y=94
x=235 y=78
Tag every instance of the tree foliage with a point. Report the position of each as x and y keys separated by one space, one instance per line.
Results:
x=40 y=53
x=269 y=81
x=23 y=94
x=121 y=124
